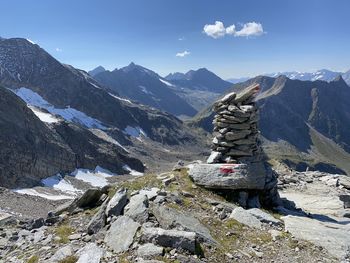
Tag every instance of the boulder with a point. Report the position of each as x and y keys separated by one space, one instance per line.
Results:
x=229 y=176
x=91 y=253
x=244 y=217
x=344 y=181
x=150 y=250
x=61 y=254
x=170 y=238
x=98 y=221
x=137 y=208
x=117 y=203
x=151 y=193
x=121 y=234
x=169 y=218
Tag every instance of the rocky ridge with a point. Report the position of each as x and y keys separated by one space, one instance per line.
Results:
x=166 y=218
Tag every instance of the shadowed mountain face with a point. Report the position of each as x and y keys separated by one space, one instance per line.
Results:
x=294 y=110
x=201 y=79
x=145 y=86
x=23 y=64
x=31 y=150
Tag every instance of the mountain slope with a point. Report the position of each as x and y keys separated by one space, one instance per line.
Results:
x=201 y=79
x=28 y=145
x=293 y=111
x=145 y=86
x=23 y=64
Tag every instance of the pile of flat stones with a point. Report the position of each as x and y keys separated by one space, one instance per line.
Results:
x=235 y=127
x=237 y=162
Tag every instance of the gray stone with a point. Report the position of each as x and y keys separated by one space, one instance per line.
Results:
x=229 y=176
x=246 y=218
x=344 y=181
x=247 y=93
x=149 y=250
x=236 y=135
x=98 y=221
x=62 y=253
x=117 y=203
x=169 y=218
x=263 y=216
x=137 y=208
x=150 y=193
x=214 y=157
x=226 y=99
x=121 y=234
x=91 y=253
x=333 y=236
x=170 y=238
x=346 y=200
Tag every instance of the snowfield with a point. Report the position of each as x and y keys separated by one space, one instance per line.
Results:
x=70 y=114
x=44 y=116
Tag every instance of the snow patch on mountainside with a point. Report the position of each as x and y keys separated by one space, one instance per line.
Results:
x=167 y=83
x=119 y=98
x=104 y=136
x=131 y=171
x=49 y=196
x=135 y=132
x=59 y=183
x=145 y=90
x=70 y=114
x=97 y=178
x=44 y=116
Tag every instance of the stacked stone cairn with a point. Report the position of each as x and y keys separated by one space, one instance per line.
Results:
x=235 y=127
x=237 y=162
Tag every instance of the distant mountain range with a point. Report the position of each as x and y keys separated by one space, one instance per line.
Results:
x=323 y=74
x=303 y=123
x=181 y=94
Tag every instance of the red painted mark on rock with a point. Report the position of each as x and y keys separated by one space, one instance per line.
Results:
x=227 y=170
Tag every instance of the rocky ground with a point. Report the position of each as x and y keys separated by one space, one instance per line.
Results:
x=164 y=217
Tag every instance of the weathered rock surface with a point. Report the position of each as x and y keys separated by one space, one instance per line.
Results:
x=335 y=237
x=169 y=218
x=137 y=208
x=149 y=250
x=229 y=176
x=117 y=203
x=170 y=238
x=91 y=253
x=121 y=234
x=98 y=221
x=61 y=254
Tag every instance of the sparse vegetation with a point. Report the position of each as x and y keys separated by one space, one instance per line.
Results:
x=69 y=259
x=63 y=231
x=33 y=259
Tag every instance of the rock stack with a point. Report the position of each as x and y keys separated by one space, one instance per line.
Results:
x=235 y=127
x=237 y=161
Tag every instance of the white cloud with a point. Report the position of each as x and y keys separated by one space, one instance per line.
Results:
x=250 y=29
x=231 y=30
x=215 y=31
x=58 y=49
x=183 y=54
x=181 y=38
x=218 y=30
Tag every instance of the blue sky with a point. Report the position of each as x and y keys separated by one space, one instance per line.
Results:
x=297 y=35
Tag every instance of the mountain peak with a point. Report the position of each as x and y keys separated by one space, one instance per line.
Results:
x=339 y=80
x=96 y=71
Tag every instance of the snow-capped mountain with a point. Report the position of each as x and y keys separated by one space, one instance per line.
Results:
x=323 y=74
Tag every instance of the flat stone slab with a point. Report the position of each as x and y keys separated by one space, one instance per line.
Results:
x=335 y=237
x=229 y=176
x=121 y=234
